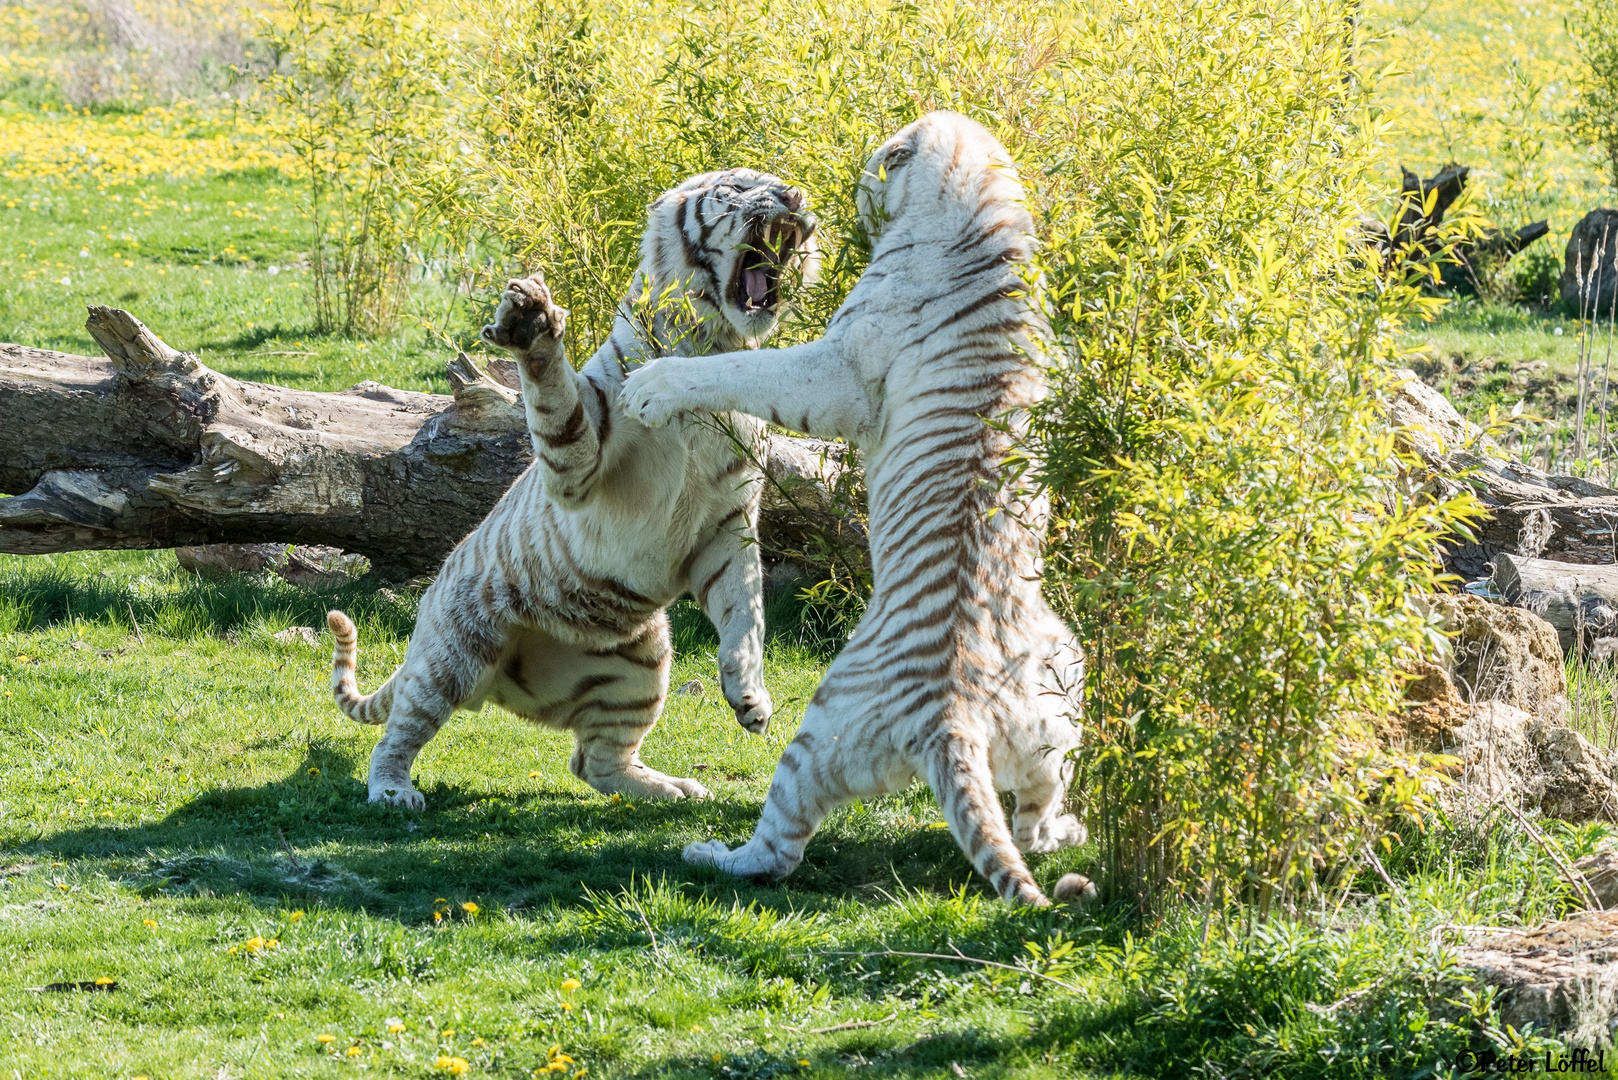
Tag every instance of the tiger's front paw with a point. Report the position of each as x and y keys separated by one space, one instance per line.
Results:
x=526 y=317
x=651 y=395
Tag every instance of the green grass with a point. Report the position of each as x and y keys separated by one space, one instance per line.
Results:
x=169 y=795
x=213 y=267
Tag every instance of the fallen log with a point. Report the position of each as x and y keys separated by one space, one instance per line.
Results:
x=150 y=448
x=1580 y=601
x=1531 y=513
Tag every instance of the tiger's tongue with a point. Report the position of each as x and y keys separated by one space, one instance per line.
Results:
x=757 y=283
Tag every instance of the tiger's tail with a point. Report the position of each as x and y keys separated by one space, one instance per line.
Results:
x=960 y=776
x=368 y=708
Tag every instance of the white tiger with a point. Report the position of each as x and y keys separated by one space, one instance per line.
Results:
x=553 y=606
x=959 y=671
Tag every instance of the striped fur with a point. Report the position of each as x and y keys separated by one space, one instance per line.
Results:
x=553 y=606
x=959 y=672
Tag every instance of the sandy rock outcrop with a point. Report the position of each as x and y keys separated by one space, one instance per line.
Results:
x=1497 y=702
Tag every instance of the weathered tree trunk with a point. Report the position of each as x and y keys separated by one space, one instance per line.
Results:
x=1581 y=601
x=152 y=449
x=1531 y=513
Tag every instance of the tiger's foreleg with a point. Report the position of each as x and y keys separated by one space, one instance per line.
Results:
x=564 y=411
x=728 y=582
x=615 y=715
x=809 y=388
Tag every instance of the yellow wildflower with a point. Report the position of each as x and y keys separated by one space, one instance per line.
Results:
x=354 y=1051
x=448 y=1033
x=314 y=772
x=455 y=1066
x=571 y=984
x=477 y=1042
x=295 y=916
x=567 y=1006
x=394 y=1024
x=325 y=1038
x=533 y=774
x=470 y=908
x=150 y=923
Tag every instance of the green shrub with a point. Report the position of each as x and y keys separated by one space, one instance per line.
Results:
x=359 y=92
x=1594 y=116
x=1227 y=532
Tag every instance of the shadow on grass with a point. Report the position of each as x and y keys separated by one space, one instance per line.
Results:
x=311 y=838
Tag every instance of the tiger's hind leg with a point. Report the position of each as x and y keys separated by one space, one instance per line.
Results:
x=616 y=707
x=1043 y=764
x=793 y=810
x=449 y=658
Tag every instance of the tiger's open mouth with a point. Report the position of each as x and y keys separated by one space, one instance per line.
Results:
x=756 y=285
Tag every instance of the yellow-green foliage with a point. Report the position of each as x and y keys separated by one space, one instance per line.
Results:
x=1486 y=83
x=359 y=97
x=1227 y=534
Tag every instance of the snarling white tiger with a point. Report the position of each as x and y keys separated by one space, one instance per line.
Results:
x=554 y=606
x=959 y=671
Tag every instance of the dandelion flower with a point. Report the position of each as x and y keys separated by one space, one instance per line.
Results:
x=295 y=916
x=354 y=1051
x=149 y=923
x=394 y=1024
x=314 y=772
x=440 y=900
x=453 y=1065
x=477 y=1042
x=533 y=774
x=325 y=1038
x=447 y=1033
x=571 y=984
x=470 y=908
x=567 y=1006
x=105 y=980
x=803 y=1062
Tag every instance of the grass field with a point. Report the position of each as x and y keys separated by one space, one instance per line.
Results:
x=182 y=808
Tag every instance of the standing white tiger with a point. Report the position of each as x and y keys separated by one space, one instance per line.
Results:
x=553 y=606
x=959 y=671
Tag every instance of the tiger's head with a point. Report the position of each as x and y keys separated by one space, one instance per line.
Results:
x=938 y=173
x=725 y=240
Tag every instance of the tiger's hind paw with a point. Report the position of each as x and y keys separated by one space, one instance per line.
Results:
x=526 y=316
x=405 y=796
x=1074 y=889
x=705 y=853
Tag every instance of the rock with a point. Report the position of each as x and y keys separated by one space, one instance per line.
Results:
x=1504 y=654
x=1575 y=780
x=1589 y=273
x=1498 y=703
x=1600 y=870
x=220 y=560
x=295 y=634
x=1562 y=976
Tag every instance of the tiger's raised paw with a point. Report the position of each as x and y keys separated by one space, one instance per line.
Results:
x=526 y=315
